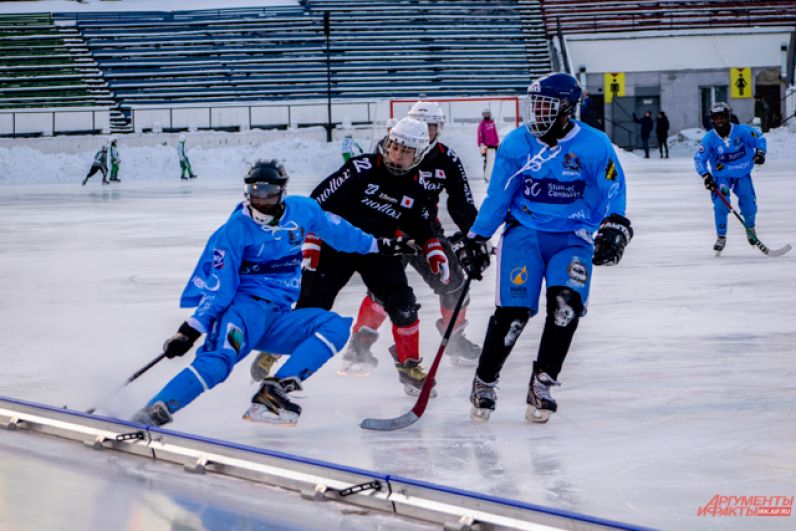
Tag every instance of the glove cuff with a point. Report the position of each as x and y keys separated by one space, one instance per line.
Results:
x=620 y=223
x=189 y=331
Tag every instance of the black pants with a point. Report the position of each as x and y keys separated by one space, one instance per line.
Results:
x=645 y=141
x=448 y=293
x=94 y=169
x=384 y=276
x=663 y=146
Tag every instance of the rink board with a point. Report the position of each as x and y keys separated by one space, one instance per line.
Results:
x=315 y=480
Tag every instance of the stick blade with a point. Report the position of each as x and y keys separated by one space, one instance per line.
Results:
x=407 y=419
x=779 y=252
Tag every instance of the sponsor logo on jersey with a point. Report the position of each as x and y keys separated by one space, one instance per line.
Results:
x=213 y=283
x=371 y=189
x=407 y=202
x=731 y=157
x=333 y=186
x=553 y=191
x=519 y=275
x=610 y=171
x=295 y=237
x=281 y=265
x=388 y=198
x=218 y=258
x=234 y=337
x=384 y=208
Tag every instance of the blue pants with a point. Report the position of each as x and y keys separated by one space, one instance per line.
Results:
x=528 y=256
x=310 y=335
x=747 y=201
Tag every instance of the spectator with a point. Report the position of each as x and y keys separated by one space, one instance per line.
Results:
x=662 y=132
x=646 y=129
x=761 y=111
x=488 y=141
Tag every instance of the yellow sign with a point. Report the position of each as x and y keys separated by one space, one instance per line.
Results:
x=614 y=85
x=740 y=82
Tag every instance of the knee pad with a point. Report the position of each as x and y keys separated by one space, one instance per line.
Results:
x=509 y=322
x=402 y=307
x=563 y=306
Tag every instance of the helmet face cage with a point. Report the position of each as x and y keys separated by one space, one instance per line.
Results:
x=408 y=138
x=549 y=98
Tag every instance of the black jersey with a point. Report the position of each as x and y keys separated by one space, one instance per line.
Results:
x=442 y=169
x=364 y=193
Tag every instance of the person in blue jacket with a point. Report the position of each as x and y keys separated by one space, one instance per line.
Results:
x=556 y=181
x=725 y=159
x=243 y=289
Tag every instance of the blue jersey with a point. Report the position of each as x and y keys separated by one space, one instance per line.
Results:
x=263 y=261
x=571 y=187
x=730 y=157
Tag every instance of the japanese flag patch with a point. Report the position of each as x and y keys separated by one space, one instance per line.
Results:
x=407 y=202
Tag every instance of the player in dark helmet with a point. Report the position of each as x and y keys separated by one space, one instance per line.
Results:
x=265 y=186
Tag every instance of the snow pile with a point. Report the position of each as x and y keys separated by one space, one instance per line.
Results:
x=781 y=143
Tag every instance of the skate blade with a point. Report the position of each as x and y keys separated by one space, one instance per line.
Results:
x=414 y=392
x=356 y=369
x=718 y=253
x=539 y=416
x=480 y=414
x=262 y=415
x=458 y=361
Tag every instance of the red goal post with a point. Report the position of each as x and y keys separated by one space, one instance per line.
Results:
x=505 y=109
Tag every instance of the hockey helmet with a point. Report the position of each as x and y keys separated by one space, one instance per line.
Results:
x=405 y=146
x=720 y=115
x=264 y=187
x=549 y=98
x=181 y=138
x=391 y=123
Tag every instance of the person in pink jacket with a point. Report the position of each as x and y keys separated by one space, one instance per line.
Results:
x=488 y=141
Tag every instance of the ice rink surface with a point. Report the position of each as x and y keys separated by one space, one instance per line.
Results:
x=679 y=384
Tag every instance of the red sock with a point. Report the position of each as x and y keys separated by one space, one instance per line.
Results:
x=371 y=314
x=407 y=341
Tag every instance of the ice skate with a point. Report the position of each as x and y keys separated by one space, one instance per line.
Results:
x=184 y=178
x=721 y=241
x=358 y=360
x=483 y=398
x=461 y=351
x=411 y=374
x=262 y=365
x=751 y=236
x=271 y=404
x=540 y=404
x=84 y=181
x=155 y=415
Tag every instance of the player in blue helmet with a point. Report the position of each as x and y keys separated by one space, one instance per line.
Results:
x=556 y=181
x=725 y=159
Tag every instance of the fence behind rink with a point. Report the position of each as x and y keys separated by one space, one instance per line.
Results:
x=54 y=121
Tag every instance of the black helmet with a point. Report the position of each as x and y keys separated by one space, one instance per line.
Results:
x=271 y=171
x=721 y=110
x=264 y=188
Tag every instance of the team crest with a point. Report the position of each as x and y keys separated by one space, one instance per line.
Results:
x=571 y=162
x=610 y=171
x=218 y=258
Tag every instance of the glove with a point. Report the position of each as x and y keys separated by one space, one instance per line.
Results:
x=181 y=342
x=473 y=253
x=311 y=252
x=709 y=182
x=613 y=235
x=760 y=157
x=437 y=261
x=396 y=246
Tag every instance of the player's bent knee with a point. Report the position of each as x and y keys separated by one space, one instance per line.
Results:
x=564 y=305
x=211 y=370
x=334 y=333
x=402 y=307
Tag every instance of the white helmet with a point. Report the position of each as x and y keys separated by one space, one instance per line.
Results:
x=409 y=133
x=431 y=113
x=112 y=140
x=391 y=123
x=181 y=138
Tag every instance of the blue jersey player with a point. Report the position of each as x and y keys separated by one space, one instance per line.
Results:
x=725 y=159
x=243 y=289
x=555 y=181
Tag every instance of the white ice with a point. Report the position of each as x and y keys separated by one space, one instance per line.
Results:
x=679 y=384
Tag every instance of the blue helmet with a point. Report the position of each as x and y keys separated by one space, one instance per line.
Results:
x=550 y=97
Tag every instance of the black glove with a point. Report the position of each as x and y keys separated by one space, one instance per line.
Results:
x=709 y=182
x=181 y=342
x=396 y=246
x=760 y=157
x=613 y=235
x=473 y=255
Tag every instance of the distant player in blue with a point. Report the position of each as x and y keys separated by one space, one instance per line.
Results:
x=243 y=289
x=725 y=159
x=555 y=182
